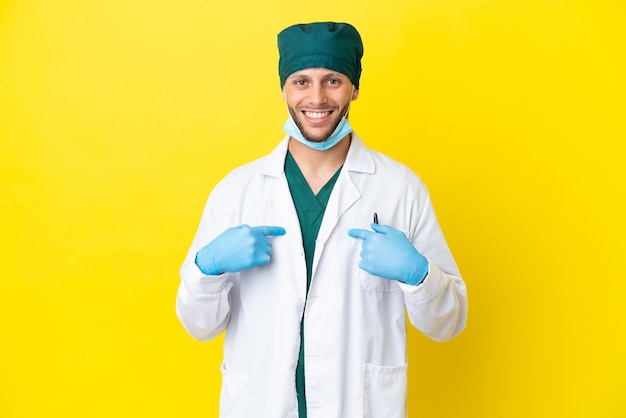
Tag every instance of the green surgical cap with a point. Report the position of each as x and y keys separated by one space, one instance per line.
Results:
x=336 y=46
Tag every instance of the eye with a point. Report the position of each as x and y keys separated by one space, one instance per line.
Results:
x=334 y=81
x=299 y=82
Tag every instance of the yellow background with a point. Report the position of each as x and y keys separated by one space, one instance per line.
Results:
x=118 y=117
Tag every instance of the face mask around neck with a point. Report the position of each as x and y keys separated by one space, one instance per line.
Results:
x=342 y=129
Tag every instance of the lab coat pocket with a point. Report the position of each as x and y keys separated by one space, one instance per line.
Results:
x=235 y=396
x=384 y=391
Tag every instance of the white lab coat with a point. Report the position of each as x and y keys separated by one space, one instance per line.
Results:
x=355 y=330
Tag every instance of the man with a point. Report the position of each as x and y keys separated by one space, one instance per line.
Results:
x=291 y=261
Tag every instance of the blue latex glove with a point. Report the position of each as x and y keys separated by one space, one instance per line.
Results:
x=387 y=253
x=236 y=249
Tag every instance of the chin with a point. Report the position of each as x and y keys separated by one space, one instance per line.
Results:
x=317 y=138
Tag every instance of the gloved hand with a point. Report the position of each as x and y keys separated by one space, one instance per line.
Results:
x=236 y=249
x=387 y=253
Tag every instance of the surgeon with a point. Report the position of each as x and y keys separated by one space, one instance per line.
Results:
x=310 y=257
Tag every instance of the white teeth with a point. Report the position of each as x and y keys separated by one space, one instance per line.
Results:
x=316 y=115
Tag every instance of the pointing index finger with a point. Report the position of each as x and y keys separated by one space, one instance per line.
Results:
x=359 y=233
x=272 y=230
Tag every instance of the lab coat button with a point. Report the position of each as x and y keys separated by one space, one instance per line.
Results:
x=293 y=364
x=300 y=306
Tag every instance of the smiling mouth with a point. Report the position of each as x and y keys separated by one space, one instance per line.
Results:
x=316 y=115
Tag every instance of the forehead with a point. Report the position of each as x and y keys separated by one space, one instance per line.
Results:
x=317 y=73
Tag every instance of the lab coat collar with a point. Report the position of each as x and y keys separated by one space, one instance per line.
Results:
x=359 y=157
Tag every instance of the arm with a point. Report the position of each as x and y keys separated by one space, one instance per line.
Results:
x=438 y=306
x=202 y=302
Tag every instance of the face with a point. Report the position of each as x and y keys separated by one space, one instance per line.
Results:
x=317 y=99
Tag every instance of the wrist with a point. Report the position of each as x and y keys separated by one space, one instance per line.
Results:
x=420 y=272
x=207 y=270
x=417 y=282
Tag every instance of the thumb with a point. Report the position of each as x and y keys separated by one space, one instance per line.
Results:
x=382 y=229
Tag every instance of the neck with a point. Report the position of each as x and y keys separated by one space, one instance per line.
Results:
x=319 y=166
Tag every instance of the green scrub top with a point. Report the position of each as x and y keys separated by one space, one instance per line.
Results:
x=310 y=208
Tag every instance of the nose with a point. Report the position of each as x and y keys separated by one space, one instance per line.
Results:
x=318 y=94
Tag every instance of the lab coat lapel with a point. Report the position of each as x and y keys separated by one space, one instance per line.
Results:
x=281 y=201
x=344 y=194
x=282 y=206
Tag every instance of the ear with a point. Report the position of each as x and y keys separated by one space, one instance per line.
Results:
x=284 y=95
x=355 y=95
